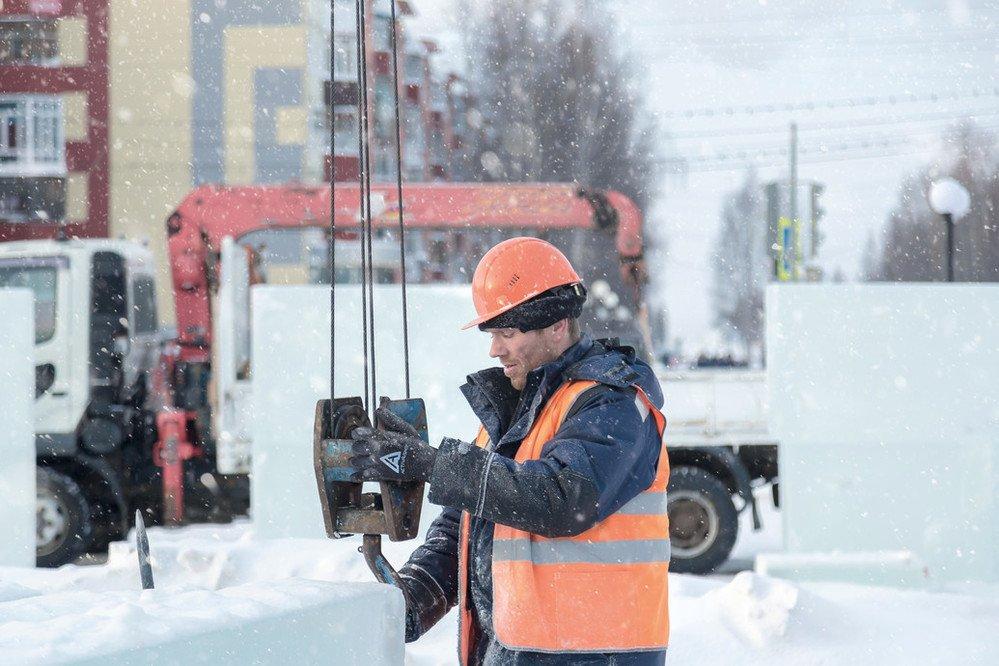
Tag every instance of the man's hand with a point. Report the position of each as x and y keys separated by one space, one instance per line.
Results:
x=396 y=453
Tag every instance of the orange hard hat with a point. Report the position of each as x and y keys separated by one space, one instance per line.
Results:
x=514 y=272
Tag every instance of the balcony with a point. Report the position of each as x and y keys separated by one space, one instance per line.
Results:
x=340 y=93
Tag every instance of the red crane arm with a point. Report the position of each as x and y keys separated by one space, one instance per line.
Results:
x=209 y=213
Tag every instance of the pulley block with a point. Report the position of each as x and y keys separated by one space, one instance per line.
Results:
x=347 y=509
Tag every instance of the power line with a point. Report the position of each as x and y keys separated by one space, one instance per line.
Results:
x=776 y=156
x=739 y=166
x=955 y=39
x=905 y=135
x=693 y=55
x=822 y=18
x=952 y=116
x=841 y=103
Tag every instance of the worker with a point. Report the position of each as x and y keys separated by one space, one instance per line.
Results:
x=554 y=537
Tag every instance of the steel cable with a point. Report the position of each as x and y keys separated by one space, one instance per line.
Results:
x=368 y=281
x=362 y=113
x=398 y=174
x=332 y=240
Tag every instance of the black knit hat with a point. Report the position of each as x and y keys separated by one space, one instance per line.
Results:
x=548 y=307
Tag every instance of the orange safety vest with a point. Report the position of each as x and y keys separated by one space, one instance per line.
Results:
x=605 y=590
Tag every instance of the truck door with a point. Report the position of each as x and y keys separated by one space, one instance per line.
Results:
x=231 y=366
x=143 y=326
x=49 y=280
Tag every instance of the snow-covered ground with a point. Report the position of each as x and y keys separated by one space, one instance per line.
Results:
x=734 y=617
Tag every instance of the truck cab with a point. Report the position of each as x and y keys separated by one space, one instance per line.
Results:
x=96 y=340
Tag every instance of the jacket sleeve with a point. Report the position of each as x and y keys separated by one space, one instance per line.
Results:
x=431 y=575
x=603 y=455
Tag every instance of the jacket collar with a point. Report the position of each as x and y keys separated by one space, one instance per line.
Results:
x=491 y=396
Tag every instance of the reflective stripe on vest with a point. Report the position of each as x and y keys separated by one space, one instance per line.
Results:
x=605 y=590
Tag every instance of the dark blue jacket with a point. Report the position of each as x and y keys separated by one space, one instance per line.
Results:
x=602 y=456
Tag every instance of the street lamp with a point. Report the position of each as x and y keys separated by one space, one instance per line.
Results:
x=950 y=200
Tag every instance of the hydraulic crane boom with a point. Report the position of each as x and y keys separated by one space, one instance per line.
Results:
x=209 y=213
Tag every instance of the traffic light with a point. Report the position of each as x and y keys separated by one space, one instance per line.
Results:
x=818 y=212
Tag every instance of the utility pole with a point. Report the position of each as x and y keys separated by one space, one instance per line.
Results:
x=792 y=173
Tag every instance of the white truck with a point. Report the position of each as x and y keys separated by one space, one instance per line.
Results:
x=96 y=339
x=719 y=450
x=105 y=374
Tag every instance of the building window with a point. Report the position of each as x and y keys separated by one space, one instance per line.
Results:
x=384 y=107
x=382 y=33
x=414 y=69
x=31 y=137
x=414 y=139
x=345 y=65
x=345 y=133
x=384 y=162
x=144 y=305
x=28 y=42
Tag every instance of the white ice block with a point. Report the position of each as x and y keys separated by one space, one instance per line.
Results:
x=291 y=356
x=884 y=569
x=17 y=433
x=292 y=621
x=885 y=401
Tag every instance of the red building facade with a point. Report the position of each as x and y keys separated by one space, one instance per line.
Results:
x=36 y=193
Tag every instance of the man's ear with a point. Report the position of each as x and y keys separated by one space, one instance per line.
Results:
x=561 y=328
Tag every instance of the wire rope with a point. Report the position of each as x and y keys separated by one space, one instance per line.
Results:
x=398 y=174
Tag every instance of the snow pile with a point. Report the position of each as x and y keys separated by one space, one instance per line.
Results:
x=758 y=620
x=211 y=575
x=12 y=591
x=259 y=622
x=754 y=607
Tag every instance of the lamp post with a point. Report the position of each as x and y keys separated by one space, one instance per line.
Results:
x=950 y=200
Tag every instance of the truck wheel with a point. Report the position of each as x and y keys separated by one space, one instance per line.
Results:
x=703 y=522
x=63 y=527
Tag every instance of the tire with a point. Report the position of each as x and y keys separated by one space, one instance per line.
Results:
x=703 y=521
x=106 y=527
x=64 y=529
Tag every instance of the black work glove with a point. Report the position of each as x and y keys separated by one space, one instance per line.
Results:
x=425 y=602
x=396 y=453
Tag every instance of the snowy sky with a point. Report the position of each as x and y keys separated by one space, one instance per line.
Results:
x=736 y=53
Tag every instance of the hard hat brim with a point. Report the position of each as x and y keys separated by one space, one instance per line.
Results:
x=506 y=308
x=489 y=315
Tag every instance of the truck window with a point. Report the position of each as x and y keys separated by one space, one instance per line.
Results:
x=40 y=276
x=144 y=304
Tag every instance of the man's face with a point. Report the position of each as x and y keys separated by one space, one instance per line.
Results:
x=522 y=352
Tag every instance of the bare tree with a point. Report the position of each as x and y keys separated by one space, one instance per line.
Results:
x=560 y=102
x=742 y=266
x=913 y=247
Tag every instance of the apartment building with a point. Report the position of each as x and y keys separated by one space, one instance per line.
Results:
x=112 y=110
